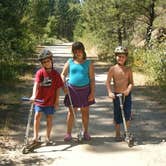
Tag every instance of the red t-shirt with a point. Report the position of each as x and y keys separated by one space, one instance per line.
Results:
x=49 y=82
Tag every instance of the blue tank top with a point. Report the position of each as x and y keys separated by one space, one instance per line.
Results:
x=79 y=73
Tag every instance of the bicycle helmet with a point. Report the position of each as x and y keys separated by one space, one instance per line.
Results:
x=45 y=54
x=121 y=50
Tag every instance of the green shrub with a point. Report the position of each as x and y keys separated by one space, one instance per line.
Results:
x=153 y=63
x=9 y=71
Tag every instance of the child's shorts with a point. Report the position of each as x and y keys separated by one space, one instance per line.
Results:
x=79 y=96
x=127 y=109
x=47 y=110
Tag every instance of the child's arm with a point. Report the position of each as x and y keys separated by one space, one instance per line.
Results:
x=131 y=83
x=64 y=75
x=92 y=83
x=34 y=92
x=56 y=103
x=65 y=71
x=109 y=77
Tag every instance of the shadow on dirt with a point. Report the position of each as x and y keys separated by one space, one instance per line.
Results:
x=96 y=145
x=149 y=116
x=10 y=103
x=33 y=160
x=148 y=120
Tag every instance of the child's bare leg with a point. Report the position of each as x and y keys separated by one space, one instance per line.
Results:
x=85 y=118
x=36 y=125
x=128 y=124
x=117 y=130
x=70 y=119
x=49 y=126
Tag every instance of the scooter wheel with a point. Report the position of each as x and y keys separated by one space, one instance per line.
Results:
x=25 y=150
x=79 y=138
x=131 y=142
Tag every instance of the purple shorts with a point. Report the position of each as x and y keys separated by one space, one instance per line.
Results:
x=79 y=96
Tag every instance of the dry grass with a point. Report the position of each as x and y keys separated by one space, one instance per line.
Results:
x=139 y=79
x=27 y=76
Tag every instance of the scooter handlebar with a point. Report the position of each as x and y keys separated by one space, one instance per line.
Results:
x=28 y=99
x=119 y=95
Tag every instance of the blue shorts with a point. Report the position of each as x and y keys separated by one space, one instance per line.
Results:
x=47 y=110
x=127 y=109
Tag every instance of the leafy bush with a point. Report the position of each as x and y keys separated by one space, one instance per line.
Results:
x=153 y=63
x=9 y=71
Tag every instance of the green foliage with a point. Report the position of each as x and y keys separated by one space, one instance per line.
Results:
x=13 y=36
x=10 y=70
x=152 y=63
x=24 y=24
x=109 y=22
x=15 y=40
x=67 y=14
x=114 y=22
x=37 y=14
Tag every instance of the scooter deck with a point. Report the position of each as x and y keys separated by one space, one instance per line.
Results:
x=31 y=147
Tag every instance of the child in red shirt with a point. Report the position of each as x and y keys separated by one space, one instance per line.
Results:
x=47 y=88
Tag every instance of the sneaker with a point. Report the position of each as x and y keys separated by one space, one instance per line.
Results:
x=49 y=142
x=87 y=137
x=33 y=142
x=67 y=137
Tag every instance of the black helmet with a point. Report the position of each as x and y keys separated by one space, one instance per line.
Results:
x=45 y=54
x=121 y=50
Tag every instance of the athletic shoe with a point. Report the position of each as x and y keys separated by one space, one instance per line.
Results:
x=48 y=142
x=87 y=137
x=67 y=137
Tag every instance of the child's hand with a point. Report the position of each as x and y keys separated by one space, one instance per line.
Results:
x=111 y=95
x=126 y=92
x=91 y=97
x=56 y=106
x=32 y=99
x=65 y=90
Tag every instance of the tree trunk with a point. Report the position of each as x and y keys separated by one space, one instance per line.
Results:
x=51 y=7
x=119 y=36
x=150 y=22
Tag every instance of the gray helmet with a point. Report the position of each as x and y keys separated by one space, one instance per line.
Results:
x=45 y=54
x=121 y=50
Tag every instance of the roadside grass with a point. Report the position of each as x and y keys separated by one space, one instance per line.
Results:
x=156 y=93
x=11 y=116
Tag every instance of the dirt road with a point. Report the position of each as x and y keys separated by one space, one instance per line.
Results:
x=148 y=127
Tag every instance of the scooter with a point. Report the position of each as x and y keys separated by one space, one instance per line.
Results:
x=80 y=134
x=128 y=137
x=29 y=147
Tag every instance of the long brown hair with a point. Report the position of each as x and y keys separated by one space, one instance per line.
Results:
x=78 y=46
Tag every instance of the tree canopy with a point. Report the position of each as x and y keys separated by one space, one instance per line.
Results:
x=105 y=24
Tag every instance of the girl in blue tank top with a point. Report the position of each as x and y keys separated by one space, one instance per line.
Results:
x=79 y=73
x=81 y=85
